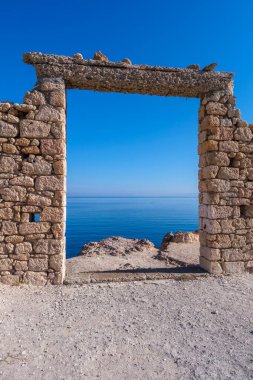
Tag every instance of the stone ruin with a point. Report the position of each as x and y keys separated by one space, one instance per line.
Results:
x=33 y=163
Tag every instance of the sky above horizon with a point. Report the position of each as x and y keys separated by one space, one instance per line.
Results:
x=130 y=145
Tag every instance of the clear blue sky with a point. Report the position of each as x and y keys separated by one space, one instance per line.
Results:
x=130 y=144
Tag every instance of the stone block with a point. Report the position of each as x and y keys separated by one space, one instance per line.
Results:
x=217 y=158
x=23 y=248
x=221 y=241
x=213 y=267
x=228 y=146
x=8 y=130
x=7 y=165
x=38 y=200
x=218 y=185
x=34 y=228
x=10 y=279
x=9 y=228
x=21 y=266
x=34 y=129
x=13 y=194
x=48 y=246
x=52 y=146
x=243 y=134
x=233 y=267
x=57 y=99
x=228 y=173
x=35 y=278
x=219 y=212
x=39 y=167
x=216 y=108
x=6 y=264
x=210 y=171
x=53 y=214
x=22 y=181
x=210 y=253
x=50 y=183
x=208 y=146
x=38 y=264
x=211 y=226
x=56 y=262
x=6 y=213
x=51 y=114
x=59 y=167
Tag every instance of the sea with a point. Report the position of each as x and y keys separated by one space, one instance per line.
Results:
x=92 y=219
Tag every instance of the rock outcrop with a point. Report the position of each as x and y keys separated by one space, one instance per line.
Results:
x=179 y=237
x=116 y=246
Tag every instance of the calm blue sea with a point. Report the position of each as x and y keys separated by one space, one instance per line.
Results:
x=92 y=219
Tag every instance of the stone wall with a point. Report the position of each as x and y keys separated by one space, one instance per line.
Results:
x=33 y=164
x=32 y=186
x=225 y=185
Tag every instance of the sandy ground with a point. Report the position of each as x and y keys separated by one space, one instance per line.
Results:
x=200 y=329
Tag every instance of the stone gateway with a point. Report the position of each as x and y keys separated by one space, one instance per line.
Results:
x=33 y=163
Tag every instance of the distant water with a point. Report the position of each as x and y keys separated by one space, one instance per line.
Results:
x=92 y=219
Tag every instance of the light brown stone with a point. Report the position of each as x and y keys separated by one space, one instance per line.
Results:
x=33 y=228
x=35 y=278
x=38 y=264
x=50 y=183
x=52 y=214
x=34 y=129
x=210 y=266
x=52 y=146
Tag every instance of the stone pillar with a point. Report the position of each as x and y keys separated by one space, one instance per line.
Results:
x=32 y=186
x=224 y=192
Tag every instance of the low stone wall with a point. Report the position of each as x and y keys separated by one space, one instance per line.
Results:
x=33 y=164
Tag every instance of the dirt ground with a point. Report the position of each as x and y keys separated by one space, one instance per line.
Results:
x=199 y=329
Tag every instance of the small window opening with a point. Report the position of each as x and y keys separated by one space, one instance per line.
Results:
x=36 y=217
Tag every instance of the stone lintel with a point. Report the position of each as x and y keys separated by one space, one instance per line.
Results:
x=127 y=78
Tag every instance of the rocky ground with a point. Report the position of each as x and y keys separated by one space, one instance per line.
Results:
x=199 y=329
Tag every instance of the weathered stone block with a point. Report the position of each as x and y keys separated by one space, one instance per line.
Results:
x=9 y=228
x=8 y=130
x=48 y=246
x=35 y=278
x=215 y=108
x=50 y=183
x=39 y=167
x=22 y=181
x=243 y=134
x=228 y=146
x=217 y=158
x=34 y=129
x=57 y=99
x=34 y=228
x=218 y=185
x=210 y=266
x=228 y=173
x=6 y=264
x=52 y=146
x=38 y=264
x=219 y=212
x=210 y=171
x=22 y=248
x=208 y=146
x=38 y=200
x=53 y=214
x=10 y=279
x=6 y=213
x=7 y=165
x=56 y=262
x=210 y=253
x=48 y=113
x=233 y=267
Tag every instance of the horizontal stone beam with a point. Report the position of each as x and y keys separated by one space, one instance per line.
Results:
x=133 y=79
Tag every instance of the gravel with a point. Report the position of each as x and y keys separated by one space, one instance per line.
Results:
x=200 y=329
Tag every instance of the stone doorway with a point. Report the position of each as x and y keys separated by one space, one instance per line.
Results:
x=33 y=163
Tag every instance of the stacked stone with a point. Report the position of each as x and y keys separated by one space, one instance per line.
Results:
x=32 y=181
x=225 y=185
